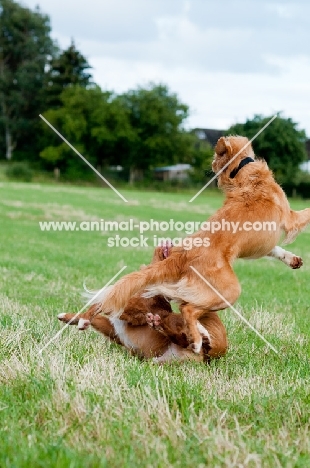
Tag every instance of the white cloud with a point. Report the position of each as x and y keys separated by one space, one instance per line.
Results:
x=226 y=60
x=219 y=99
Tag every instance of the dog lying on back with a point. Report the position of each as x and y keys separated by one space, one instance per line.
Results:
x=149 y=328
x=252 y=195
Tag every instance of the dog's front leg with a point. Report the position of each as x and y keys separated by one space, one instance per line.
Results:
x=286 y=257
x=172 y=326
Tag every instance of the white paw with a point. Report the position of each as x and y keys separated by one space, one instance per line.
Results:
x=296 y=262
x=203 y=331
x=83 y=324
x=60 y=316
x=196 y=347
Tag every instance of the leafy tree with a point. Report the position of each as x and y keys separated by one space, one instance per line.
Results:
x=95 y=124
x=156 y=117
x=138 y=130
x=66 y=69
x=281 y=144
x=25 y=46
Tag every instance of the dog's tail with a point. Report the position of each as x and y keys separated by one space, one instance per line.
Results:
x=114 y=299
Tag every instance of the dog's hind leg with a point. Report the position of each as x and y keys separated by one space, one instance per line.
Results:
x=210 y=326
x=191 y=315
x=295 y=222
x=100 y=323
x=81 y=320
x=286 y=257
x=213 y=329
x=70 y=319
x=224 y=292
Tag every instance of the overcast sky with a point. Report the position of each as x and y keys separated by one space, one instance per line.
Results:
x=226 y=59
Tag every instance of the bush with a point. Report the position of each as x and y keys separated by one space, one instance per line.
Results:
x=303 y=189
x=19 y=171
x=300 y=190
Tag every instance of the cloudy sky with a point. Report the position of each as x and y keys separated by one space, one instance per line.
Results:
x=227 y=60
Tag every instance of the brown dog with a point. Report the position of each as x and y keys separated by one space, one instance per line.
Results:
x=166 y=340
x=149 y=329
x=252 y=195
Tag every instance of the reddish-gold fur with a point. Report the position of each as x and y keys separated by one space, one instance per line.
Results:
x=253 y=195
x=166 y=340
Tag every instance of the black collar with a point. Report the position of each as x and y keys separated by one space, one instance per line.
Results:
x=244 y=162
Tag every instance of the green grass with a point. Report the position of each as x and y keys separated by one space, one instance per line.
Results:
x=86 y=403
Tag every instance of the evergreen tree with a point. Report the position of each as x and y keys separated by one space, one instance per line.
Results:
x=67 y=69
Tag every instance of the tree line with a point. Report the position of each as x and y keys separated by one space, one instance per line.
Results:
x=138 y=130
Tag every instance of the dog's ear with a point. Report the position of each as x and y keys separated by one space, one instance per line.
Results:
x=223 y=146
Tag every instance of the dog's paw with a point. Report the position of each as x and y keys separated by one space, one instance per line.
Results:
x=71 y=319
x=296 y=262
x=149 y=319
x=157 y=321
x=83 y=324
x=153 y=320
x=196 y=346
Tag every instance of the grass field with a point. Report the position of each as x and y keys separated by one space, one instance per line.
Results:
x=86 y=403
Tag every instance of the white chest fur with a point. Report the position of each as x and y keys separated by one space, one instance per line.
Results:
x=120 y=328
